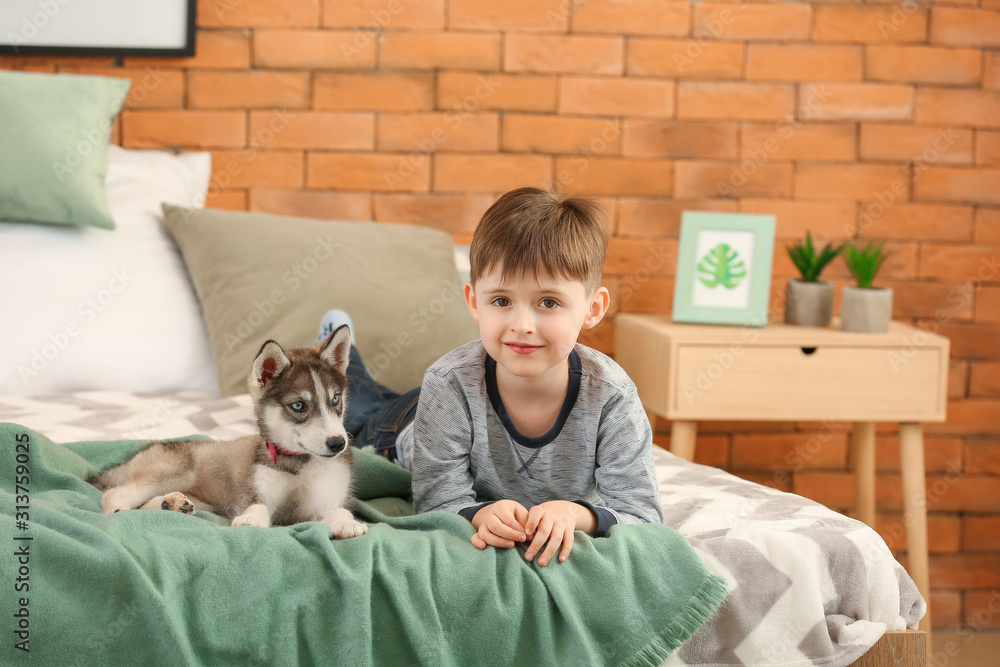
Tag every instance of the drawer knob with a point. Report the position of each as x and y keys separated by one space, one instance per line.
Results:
x=808 y=350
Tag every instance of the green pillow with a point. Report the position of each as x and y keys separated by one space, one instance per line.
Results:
x=260 y=276
x=54 y=134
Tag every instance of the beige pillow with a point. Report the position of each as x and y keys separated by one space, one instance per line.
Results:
x=260 y=276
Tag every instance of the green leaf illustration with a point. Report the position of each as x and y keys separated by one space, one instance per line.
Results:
x=721 y=266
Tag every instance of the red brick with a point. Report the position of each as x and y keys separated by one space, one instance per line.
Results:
x=527 y=15
x=655 y=295
x=258 y=14
x=538 y=133
x=383 y=172
x=563 y=54
x=616 y=97
x=248 y=89
x=968 y=571
x=195 y=129
x=632 y=17
x=981 y=533
x=958 y=377
x=982 y=456
x=373 y=15
x=965 y=27
x=988 y=148
x=970 y=341
x=855 y=101
x=662 y=217
x=684 y=58
x=152 y=86
x=869 y=24
x=614 y=176
x=490 y=172
x=988 y=225
x=984 y=377
x=818 y=142
x=991 y=70
x=667 y=138
x=958 y=185
x=980 y=614
x=457 y=214
x=312 y=204
x=950 y=106
x=930 y=300
x=228 y=200
x=374 y=92
x=429 y=50
x=807 y=62
x=924 y=222
x=944 y=532
x=744 y=101
x=988 y=303
x=835 y=490
x=634 y=258
x=942 y=454
x=466 y=92
x=923 y=64
x=946 y=609
x=855 y=181
x=923 y=145
x=831 y=220
x=214 y=49
x=314 y=49
x=312 y=130
x=694 y=179
x=725 y=21
x=432 y=132
x=789 y=451
x=252 y=169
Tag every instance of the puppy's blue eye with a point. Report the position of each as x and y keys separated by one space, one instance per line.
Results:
x=336 y=399
x=298 y=406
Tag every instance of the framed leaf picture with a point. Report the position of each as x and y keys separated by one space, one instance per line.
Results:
x=724 y=268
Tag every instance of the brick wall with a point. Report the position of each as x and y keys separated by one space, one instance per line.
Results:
x=839 y=118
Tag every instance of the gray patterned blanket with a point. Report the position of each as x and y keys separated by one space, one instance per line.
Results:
x=807 y=586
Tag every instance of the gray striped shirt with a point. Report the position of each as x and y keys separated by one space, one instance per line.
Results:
x=467 y=452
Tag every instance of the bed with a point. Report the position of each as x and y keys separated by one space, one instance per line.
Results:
x=145 y=332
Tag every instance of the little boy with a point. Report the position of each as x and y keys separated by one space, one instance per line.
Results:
x=526 y=433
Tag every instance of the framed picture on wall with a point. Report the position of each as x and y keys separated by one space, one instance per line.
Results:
x=98 y=27
x=724 y=268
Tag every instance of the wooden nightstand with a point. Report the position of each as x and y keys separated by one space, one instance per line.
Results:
x=691 y=372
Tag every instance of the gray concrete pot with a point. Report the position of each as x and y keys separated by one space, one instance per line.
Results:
x=808 y=304
x=866 y=310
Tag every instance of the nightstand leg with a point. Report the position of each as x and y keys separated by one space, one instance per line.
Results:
x=682 y=437
x=863 y=453
x=911 y=454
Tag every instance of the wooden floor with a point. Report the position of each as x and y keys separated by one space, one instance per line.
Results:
x=965 y=648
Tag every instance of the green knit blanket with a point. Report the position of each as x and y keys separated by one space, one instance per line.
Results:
x=164 y=588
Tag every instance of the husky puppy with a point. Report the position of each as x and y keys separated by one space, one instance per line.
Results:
x=298 y=469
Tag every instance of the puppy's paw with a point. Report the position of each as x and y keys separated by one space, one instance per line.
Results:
x=345 y=529
x=177 y=502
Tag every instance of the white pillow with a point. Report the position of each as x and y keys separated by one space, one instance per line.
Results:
x=94 y=309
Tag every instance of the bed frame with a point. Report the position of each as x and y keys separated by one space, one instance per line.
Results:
x=907 y=649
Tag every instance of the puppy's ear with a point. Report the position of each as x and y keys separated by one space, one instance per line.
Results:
x=269 y=364
x=336 y=349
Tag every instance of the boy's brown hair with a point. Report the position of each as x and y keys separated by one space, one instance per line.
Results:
x=528 y=228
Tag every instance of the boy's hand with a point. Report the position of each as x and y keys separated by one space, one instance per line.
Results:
x=499 y=524
x=552 y=524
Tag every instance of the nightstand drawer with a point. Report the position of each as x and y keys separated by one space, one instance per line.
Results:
x=784 y=382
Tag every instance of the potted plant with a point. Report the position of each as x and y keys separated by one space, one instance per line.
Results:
x=809 y=301
x=865 y=308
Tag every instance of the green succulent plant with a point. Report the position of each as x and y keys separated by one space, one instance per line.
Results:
x=809 y=263
x=865 y=262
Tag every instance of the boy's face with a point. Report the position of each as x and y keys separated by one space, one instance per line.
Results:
x=529 y=325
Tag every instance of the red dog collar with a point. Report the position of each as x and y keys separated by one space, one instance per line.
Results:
x=275 y=450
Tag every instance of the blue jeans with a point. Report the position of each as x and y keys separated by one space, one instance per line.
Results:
x=375 y=413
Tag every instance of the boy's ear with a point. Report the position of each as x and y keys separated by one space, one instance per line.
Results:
x=599 y=303
x=470 y=301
